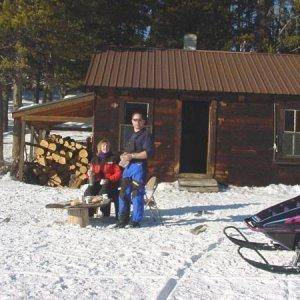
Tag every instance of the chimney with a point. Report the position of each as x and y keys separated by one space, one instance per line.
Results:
x=190 y=41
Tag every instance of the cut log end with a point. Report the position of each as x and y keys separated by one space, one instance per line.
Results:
x=78 y=215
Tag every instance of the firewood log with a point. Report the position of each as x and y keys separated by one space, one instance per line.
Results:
x=53 y=183
x=56 y=180
x=84 y=161
x=69 y=154
x=83 y=169
x=49 y=157
x=77 y=173
x=83 y=153
x=39 y=151
x=52 y=146
x=57 y=139
x=41 y=161
x=44 y=143
x=62 y=160
x=72 y=167
x=51 y=138
x=78 y=164
x=67 y=144
x=83 y=177
x=78 y=146
x=55 y=156
x=75 y=182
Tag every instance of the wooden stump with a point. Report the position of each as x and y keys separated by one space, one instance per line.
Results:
x=78 y=215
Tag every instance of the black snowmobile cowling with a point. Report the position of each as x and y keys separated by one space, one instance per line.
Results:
x=280 y=222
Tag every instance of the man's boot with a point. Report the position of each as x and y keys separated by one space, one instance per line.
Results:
x=123 y=220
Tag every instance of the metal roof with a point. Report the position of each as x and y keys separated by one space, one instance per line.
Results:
x=199 y=70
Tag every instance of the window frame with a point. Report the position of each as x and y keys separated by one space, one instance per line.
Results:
x=280 y=107
x=122 y=124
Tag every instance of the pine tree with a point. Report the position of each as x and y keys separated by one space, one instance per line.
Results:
x=209 y=20
x=266 y=25
x=119 y=23
x=36 y=36
x=288 y=36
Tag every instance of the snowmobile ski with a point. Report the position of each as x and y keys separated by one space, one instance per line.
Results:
x=281 y=223
x=266 y=266
x=245 y=243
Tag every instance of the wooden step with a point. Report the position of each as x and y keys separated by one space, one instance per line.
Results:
x=193 y=176
x=198 y=182
x=203 y=189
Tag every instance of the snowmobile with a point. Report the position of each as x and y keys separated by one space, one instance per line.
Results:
x=281 y=223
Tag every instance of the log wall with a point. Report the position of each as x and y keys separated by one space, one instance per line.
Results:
x=244 y=136
x=106 y=119
x=244 y=148
x=166 y=120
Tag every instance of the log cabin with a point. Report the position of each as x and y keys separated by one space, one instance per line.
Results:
x=229 y=116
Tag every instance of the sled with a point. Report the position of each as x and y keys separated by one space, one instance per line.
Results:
x=281 y=223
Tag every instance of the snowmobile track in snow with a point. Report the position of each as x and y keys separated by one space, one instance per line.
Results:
x=173 y=282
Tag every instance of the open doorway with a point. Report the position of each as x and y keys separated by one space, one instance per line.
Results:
x=194 y=137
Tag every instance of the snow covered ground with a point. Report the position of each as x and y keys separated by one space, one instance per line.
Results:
x=44 y=257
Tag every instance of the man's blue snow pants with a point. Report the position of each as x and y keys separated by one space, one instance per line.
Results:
x=135 y=175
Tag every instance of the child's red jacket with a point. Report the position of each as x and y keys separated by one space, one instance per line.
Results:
x=106 y=168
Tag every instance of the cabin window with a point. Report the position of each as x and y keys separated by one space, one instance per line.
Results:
x=126 y=128
x=291 y=133
x=287 y=133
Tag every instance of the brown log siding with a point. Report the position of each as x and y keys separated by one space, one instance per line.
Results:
x=106 y=120
x=244 y=137
x=244 y=153
x=166 y=138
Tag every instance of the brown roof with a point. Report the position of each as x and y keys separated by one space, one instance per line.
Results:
x=214 y=71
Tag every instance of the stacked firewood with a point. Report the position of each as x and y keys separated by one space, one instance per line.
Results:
x=60 y=161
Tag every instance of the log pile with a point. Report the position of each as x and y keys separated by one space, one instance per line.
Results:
x=59 y=161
